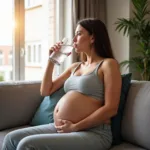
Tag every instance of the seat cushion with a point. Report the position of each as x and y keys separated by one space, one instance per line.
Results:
x=127 y=146
x=4 y=132
x=136 y=120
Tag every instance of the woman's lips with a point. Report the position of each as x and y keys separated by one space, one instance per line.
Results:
x=75 y=45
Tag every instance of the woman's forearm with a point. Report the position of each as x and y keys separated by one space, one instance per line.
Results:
x=98 y=117
x=46 y=84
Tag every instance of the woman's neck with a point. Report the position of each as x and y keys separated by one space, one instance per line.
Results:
x=93 y=59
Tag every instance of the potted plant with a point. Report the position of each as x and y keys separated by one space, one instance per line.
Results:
x=139 y=27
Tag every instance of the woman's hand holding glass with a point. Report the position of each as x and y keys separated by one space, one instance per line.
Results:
x=60 y=51
x=55 y=48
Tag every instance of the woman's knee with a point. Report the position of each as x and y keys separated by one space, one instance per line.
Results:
x=26 y=144
x=10 y=141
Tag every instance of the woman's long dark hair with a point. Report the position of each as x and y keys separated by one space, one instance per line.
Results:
x=98 y=29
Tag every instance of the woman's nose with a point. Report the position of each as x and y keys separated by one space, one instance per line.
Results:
x=74 y=39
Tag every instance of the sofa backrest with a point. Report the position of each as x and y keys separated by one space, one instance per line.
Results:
x=136 y=119
x=18 y=103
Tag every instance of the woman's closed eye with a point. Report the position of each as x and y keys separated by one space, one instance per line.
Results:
x=78 y=33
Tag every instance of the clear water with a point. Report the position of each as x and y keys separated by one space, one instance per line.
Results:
x=59 y=57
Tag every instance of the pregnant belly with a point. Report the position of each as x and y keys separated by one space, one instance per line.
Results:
x=74 y=107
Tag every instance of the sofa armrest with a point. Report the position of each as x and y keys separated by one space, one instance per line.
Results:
x=18 y=102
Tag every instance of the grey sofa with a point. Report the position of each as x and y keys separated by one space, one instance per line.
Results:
x=19 y=101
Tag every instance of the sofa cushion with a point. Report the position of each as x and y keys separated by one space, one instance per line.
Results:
x=116 y=121
x=127 y=146
x=136 y=120
x=44 y=113
x=18 y=102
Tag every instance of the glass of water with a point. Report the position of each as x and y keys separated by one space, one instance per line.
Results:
x=58 y=57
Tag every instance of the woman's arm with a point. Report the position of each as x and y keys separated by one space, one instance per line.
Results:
x=112 y=88
x=47 y=79
x=48 y=86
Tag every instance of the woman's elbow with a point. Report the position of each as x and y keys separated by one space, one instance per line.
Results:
x=114 y=112
x=44 y=93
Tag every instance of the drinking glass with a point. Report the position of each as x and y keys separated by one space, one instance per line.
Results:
x=58 y=57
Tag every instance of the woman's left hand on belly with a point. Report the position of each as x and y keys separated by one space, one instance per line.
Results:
x=65 y=127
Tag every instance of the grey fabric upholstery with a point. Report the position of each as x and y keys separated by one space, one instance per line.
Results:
x=18 y=103
x=126 y=146
x=136 y=120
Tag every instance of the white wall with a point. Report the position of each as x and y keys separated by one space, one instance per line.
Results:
x=120 y=44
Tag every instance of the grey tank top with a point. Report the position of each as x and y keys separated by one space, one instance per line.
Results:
x=89 y=84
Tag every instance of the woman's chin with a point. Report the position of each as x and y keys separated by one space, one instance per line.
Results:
x=76 y=50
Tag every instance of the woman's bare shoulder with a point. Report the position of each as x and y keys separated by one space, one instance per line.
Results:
x=110 y=62
x=110 y=67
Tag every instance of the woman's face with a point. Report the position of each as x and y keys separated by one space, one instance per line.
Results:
x=82 y=40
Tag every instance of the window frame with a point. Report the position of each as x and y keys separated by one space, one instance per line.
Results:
x=63 y=16
x=19 y=37
x=18 y=45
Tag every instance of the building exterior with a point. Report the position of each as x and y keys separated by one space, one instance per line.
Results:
x=6 y=62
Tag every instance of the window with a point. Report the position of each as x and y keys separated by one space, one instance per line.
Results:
x=40 y=34
x=28 y=54
x=27 y=31
x=10 y=58
x=24 y=37
x=1 y=57
x=32 y=3
x=39 y=53
x=28 y=3
x=33 y=54
x=6 y=39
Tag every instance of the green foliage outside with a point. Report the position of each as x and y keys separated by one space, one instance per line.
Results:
x=1 y=78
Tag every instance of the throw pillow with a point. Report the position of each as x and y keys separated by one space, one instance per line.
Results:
x=116 y=120
x=44 y=113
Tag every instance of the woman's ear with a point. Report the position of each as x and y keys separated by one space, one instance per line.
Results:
x=92 y=39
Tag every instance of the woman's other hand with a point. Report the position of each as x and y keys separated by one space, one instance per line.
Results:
x=66 y=126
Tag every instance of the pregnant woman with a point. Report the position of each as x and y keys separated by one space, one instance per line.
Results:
x=82 y=117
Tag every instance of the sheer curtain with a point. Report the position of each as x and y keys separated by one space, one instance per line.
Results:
x=87 y=9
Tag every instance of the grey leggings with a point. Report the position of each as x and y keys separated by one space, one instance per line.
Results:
x=45 y=137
